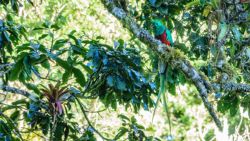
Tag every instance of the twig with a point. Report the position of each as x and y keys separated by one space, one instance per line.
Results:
x=19 y=91
x=87 y=119
x=235 y=87
x=27 y=94
x=6 y=65
x=13 y=126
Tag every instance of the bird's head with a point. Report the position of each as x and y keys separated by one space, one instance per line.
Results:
x=158 y=27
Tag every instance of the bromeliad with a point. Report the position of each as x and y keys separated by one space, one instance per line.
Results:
x=54 y=96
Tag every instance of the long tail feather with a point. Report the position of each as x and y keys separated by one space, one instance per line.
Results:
x=168 y=113
x=161 y=92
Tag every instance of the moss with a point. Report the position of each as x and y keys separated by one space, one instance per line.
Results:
x=177 y=54
x=227 y=68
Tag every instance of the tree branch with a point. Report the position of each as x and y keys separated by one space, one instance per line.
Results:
x=166 y=53
x=19 y=91
x=235 y=87
x=88 y=121
x=5 y=68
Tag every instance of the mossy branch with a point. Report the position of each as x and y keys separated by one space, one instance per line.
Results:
x=164 y=52
x=234 y=87
x=19 y=91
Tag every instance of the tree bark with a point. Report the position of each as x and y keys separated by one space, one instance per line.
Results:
x=19 y=91
x=202 y=85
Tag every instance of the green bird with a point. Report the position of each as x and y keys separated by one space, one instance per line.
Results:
x=163 y=34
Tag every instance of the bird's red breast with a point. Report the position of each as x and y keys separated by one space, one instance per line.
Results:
x=163 y=38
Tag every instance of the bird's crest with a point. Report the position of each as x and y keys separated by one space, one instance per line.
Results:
x=158 y=27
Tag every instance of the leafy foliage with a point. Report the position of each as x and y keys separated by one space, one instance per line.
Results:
x=133 y=129
x=66 y=60
x=116 y=76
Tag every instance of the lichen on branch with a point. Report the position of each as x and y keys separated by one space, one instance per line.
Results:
x=166 y=53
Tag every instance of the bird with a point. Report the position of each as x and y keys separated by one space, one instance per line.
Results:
x=162 y=33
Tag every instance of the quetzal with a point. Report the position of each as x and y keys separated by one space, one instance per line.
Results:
x=163 y=34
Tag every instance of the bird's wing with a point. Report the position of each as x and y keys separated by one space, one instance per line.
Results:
x=169 y=36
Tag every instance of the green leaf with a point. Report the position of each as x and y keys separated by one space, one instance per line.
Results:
x=209 y=135
x=100 y=38
x=192 y=3
x=114 y=104
x=202 y=2
x=14 y=5
x=139 y=126
x=46 y=64
x=39 y=28
x=73 y=37
x=26 y=63
x=181 y=78
x=86 y=68
x=79 y=76
x=236 y=33
x=214 y=50
x=152 y=2
x=17 y=69
x=59 y=132
x=7 y=36
x=222 y=107
x=55 y=26
x=45 y=126
x=62 y=63
x=72 y=32
x=32 y=87
x=43 y=36
x=59 y=43
x=207 y=10
x=66 y=133
x=66 y=76
x=14 y=116
x=172 y=88
x=245 y=103
x=133 y=120
x=233 y=111
x=223 y=31
x=122 y=131
x=232 y=49
x=123 y=117
x=215 y=3
x=121 y=85
x=4 y=128
x=248 y=52
x=110 y=81
x=29 y=1
x=23 y=47
x=19 y=102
